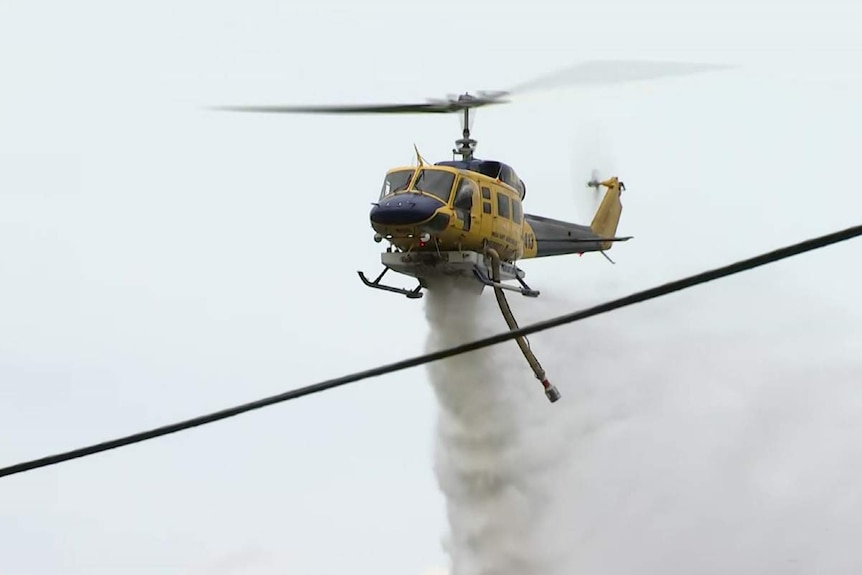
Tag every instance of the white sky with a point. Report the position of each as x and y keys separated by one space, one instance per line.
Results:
x=158 y=261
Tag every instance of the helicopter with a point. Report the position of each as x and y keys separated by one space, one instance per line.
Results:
x=445 y=219
x=464 y=218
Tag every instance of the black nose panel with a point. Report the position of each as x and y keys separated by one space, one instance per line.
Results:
x=404 y=209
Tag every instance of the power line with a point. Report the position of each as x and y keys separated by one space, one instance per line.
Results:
x=638 y=297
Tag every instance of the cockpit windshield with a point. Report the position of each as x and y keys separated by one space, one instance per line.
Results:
x=396 y=182
x=435 y=182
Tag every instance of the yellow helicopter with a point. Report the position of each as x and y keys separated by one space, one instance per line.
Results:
x=449 y=218
x=444 y=219
x=453 y=218
x=465 y=218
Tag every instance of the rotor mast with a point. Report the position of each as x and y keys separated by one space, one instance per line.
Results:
x=465 y=145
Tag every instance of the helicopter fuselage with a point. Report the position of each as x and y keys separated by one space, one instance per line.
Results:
x=453 y=218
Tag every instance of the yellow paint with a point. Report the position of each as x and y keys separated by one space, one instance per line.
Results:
x=607 y=217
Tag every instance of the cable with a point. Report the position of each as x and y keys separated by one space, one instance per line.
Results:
x=652 y=293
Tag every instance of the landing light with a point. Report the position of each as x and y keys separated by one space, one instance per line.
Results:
x=378 y=238
x=425 y=237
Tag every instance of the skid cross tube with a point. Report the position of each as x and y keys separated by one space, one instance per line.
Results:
x=525 y=290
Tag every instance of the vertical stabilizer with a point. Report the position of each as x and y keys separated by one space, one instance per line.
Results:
x=607 y=217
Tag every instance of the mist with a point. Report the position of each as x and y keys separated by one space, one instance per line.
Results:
x=688 y=438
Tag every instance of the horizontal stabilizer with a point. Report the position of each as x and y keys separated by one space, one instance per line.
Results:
x=556 y=237
x=585 y=240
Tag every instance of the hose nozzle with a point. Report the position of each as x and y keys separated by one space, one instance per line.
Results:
x=551 y=391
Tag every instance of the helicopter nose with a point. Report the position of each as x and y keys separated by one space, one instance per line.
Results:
x=404 y=209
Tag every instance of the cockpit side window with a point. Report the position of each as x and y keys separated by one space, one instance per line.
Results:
x=435 y=182
x=463 y=202
x=464 y=196
x=396 y=182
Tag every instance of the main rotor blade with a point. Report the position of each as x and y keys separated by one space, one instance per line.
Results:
x=430 y=107
x=594 y=72
x=603 y=72
x=348 y=109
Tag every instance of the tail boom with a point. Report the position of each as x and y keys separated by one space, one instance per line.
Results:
x=556 y=237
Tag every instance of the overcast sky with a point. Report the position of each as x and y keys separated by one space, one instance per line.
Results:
x=158 y=261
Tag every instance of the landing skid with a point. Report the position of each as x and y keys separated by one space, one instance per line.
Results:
x=415 y=293
x=524 y=290
x=427 y=267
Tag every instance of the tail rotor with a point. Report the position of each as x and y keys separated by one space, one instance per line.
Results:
x=593 y=149
x=595 y=180
x=587 y=202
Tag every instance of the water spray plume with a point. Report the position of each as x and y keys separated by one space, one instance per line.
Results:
x=681 y=444
x=493 y=452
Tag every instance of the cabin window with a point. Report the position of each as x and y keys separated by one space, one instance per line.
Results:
x=516 y=211
x=486 y=193
x=435 y=182
x=396 y=182
x=502 y=205
x=486 y=207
